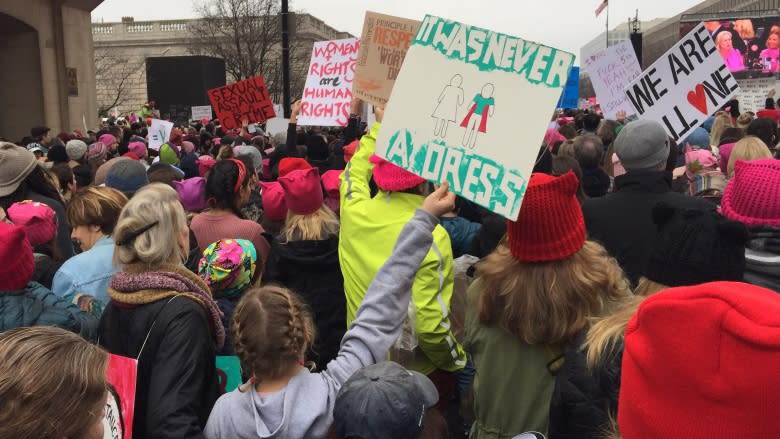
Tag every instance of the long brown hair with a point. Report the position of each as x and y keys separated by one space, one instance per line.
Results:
x=39 y=401
x=604 y=334
x=272 y=329
x=548 y=302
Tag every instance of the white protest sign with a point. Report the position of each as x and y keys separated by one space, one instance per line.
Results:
x=454 y=110
x=201 y=112
x=276 y=125
x=685 y=86
x=159 y=133
x=753 y=93
x=610 y=71
x=328 y=90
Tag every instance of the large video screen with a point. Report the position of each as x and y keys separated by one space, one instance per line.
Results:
x=747 y=45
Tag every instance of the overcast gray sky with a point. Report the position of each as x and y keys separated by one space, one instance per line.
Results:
x=564 y=24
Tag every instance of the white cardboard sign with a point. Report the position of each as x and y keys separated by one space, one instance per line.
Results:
x=328 y=91
x=610 y=71
x=201 y=112
x=685 y=86
x=454 y=111
x=753 y=93
x=159 y=133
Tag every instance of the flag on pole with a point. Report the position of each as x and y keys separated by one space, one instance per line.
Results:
x=601 y=7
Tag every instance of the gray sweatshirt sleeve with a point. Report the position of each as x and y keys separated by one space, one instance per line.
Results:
x=381 y=315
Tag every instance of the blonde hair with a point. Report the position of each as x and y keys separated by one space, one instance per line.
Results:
x=749 y=148
x=548 y=302
x=745 y=29
x=39 y=401
x=744 y=119
x=603 y=335
x=721 y=122
x=272 y=329
x=157 y=204
x=95 y=205
x=316 y=226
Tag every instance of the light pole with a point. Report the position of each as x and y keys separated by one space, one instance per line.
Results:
x=285 y=59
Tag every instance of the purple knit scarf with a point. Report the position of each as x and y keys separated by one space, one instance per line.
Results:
x=130 y=286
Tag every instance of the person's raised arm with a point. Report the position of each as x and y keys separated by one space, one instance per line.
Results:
x=355 y=180
x=381 y=315
x=351 y=131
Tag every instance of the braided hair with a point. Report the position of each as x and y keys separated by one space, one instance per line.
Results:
x=221 y=186
x=272 y=329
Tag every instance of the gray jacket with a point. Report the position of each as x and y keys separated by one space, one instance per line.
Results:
x=304 y=408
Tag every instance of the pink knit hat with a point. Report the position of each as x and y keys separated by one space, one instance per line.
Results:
x=392 y=178
x=187 y=146
x=137 y=148
x=752 y=196
x=551 y=136
x=107 y=139
x=37 y=219
x=205 y=163
x=274 y=205
x=302 y=191
x=192 y=193
x=704 y=157
x=331 y=181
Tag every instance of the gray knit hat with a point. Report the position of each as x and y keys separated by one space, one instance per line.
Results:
x=76 y=149
x=642 y=146
x=127 y=176
x=16 y=163
x=253 y=153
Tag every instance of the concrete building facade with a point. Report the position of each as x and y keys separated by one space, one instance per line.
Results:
x=50 y=78
x=121 y=49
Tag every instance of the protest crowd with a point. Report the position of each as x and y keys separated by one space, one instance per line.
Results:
x=634 y=295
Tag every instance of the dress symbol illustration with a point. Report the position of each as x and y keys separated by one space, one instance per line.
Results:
x=446 y=110
x=475 y=122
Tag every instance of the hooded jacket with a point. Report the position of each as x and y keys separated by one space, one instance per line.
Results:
x=623 y=222
x=369 y=228
x=311 y=269
x=304 y=408
x=37 y=306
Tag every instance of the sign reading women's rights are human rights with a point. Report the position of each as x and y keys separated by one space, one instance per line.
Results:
x=470 y=106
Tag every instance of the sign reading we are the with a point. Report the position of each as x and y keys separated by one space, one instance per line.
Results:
x=328 y=91
x=685 y=86
x=456 y=105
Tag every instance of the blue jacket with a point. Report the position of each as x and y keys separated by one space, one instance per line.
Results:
x=462 y=233
x=37 y=306
x=87 y=273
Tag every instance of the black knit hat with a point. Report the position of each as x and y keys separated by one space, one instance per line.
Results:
x=695 y=246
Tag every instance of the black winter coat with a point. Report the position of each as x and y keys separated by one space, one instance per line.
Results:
x=311 y=269
x=584 y=400
x=177 y=385
x=623 y=221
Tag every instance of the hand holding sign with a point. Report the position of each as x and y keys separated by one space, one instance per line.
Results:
x=687 y=84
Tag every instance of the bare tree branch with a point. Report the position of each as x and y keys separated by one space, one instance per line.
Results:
x=115 y=73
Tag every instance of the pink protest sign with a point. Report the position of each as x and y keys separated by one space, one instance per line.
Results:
x=122 y=375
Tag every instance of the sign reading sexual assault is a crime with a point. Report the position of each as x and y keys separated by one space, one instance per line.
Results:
x=383 y=46
x=243 y=100
x=470 y=106
x=685 y=86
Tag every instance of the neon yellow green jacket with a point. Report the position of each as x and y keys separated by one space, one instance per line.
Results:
x=369 y=229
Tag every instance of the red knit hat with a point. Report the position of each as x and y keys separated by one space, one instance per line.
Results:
x=393 y=178
x=702 y=362
x=16 y=258
x=752 y=196
x=349 y=150
x=302 y=191
x=274 y=206
x=289 y=164
x=550 y=226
